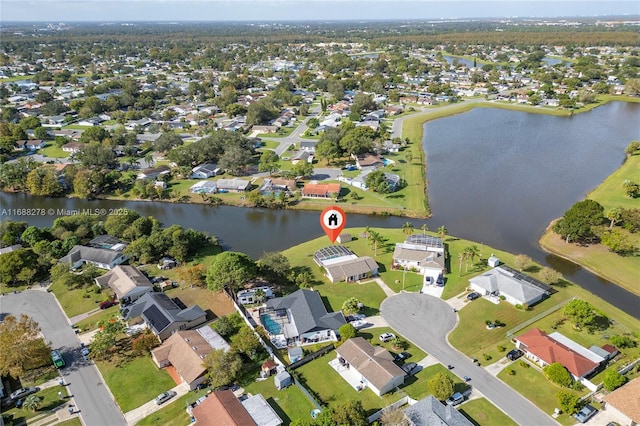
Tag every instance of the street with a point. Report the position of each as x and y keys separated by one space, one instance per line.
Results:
x=426 y=321
x=91 y=396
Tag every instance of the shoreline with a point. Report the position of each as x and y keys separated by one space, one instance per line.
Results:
x=413 y=129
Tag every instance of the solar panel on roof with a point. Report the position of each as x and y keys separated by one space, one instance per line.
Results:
x=156 y=318
x=526 y=278
x=427 y=240
x=331 y=252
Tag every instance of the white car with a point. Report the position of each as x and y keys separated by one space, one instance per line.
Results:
x=358 y=324
x=387 y=337
x=164 y=397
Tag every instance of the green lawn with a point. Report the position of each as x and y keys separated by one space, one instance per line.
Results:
x=289 y=403
x=416 y=386
x=270 y=144
x=134 y=381
x=74 y=421
x=91 y=322
x=472 y=336
x=51 y=150
x=370 y=294
x=174 y=412
x=80 y=300
x=532 y=384
x=483 y=413
x=373 y=334
x=610 y=193
x=50 y=400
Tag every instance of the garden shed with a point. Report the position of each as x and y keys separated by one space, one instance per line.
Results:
x=282 y=380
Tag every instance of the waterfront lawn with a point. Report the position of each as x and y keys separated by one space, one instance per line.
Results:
x=173 y=413
x=482 y=412
x=289 y=403
x=49 y=401
x=622 y=270
x=472 y=337
x=134 y=381
x=610 y=193
x=532 y=384
x=77 y=301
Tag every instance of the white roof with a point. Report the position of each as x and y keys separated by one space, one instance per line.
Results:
x=260 y=411
x=213 y=339
x=592 y=356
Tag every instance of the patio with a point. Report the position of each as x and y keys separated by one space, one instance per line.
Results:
x=350 y=375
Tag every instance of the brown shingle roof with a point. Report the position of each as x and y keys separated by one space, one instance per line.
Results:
x=187 y=350
x=122 y=279
x=627 y=399
x=375 y=363
x=549 y=350
x=222 y=409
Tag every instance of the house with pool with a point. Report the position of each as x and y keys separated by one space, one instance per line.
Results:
x=300 y=318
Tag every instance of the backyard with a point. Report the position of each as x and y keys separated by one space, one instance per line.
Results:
x=289 y=403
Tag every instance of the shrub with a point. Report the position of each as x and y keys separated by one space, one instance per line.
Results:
x=144 y=343
x=498 y=323
x=568 y=401
x=486 y=357
x=613 y=380
x=558 y=374
x=347 y=331
x=623 y=341
x=502 y=297
x=501 y=348
x=511 y=372
x=524 y=364
x=518 y=306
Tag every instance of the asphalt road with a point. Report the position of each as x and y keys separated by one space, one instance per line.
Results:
x=426 y=321
x=91 y=396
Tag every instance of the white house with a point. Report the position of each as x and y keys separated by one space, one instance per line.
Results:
x=204 y=171
x=341 y=264
x=517 y=288
x=421 y=253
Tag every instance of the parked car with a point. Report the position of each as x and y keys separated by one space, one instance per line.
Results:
x=473 y=296
x=401 y=356
x=21 y=393
x=409 y=367
x=514 y=354
x=440 y=281
x=387 y=337
x=585 y=414
x=358 y=324
x=455 y=399
x=164 y=397
x=85 y=352
x=108 y=303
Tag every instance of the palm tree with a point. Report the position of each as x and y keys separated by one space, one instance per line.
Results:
x=467 y=256
x=407 y=228
x=442 y=232
x=260 y=295
x=614 y=215
x=473 y=252
x=32 y=402
x=367 y=233
x=462 y=256
x=149 y=160
x=376 y=240
x=424 y=228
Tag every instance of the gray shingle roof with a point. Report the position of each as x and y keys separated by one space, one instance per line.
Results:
x=159 y=311
x=308 y=311
x=90 y=254
x=503 y=280
x=431 y=412
x=352 y=267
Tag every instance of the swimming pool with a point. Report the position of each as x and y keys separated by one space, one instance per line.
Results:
x=387 y=162
x=269 y=324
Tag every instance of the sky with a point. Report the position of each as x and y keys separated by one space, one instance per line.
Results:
x=291 y=10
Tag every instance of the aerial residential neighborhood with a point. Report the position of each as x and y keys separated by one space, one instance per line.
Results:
x=161 y=258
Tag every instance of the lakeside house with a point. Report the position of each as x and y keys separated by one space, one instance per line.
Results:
x=102 y=258
x=314 y=189
x=421 y=253
x=515 y=287
x=341 y=264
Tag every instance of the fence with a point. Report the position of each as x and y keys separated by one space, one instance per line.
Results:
x=510 y=333
x=399 y=403
x=306 y=393
x=304 y=360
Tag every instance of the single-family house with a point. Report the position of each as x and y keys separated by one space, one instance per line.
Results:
x=545 y=349
x=393 y=180
x=341 y=264
x=154 y=172
x=248 y=296
x=222 y=408
x=308 y=146
x=372 y=124
x=9 y=249
x=204 y=171
x=232 y=185
x=517 y=288
x=374 y=365
x=127 y=283
x=277 y=185
x=102 y=258
x=30 y=144
x=185 y=351
x=301 y=318
x=368 y=160
x=108 y=242
x=423 y=253
x=72 y=147
x=624 y=402
x=300 y=156
x=163 y=315
x=390 y=146
x=431 y=412
x=321 y=190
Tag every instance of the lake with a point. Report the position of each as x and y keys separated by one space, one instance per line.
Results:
x=495 y=176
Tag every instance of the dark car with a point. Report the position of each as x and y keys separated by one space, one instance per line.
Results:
x=401 y=356
x=108 y=303
x=585 y=414
x=473 y=296
x=514 y=354
x=409 y=367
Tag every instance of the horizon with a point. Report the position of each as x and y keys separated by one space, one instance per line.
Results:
x=210 y=11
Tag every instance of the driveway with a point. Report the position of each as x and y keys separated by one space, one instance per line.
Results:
x=426 y=321
x=91 y=396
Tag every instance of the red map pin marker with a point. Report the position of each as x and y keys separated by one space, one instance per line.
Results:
x=333 y=220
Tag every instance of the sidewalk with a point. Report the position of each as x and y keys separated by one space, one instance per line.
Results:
x=137 y=414
x=80 y=317
x=387 y=290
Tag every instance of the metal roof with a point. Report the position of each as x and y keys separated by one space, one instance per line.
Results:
x=331 y=252
x=423 y=239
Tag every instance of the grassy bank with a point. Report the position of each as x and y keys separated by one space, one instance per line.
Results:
x=622 y=270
